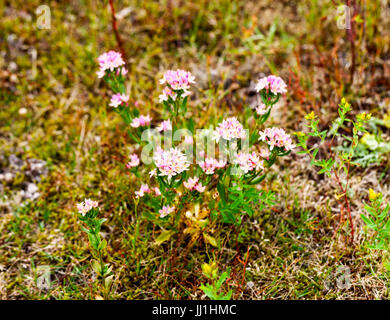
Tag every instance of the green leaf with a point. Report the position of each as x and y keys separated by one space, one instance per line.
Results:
x=93 y=241
x=368 y=221
x=209 y=292
x=96 y=266
x=228 y=296
x=211 y=240
x=387 y=265
x=164 y=236
x=222 y=278
x=102 y=245
x=108 y=281
x=221 y=191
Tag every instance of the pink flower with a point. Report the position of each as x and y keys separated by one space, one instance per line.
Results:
x=178 y=80
x=210 y=165
x=144 y=189
x=276 y=137
x=141 y=121
x=166 y=210
x=166 y=125
x=261 y=109
x=191 y=183
x=265 y=153
x=100 y=73
x=229 y=129
x=167 y=92
x=121 y=71
x=171 y=162
x=157 y=191
x=109 y=61
x=248 y=161
x=200 y=188
x=86 y=206
x=118 y=99
x=134 y=161
x=152 y=173
x=194 y=184
x=188 y=140
x=273 y=83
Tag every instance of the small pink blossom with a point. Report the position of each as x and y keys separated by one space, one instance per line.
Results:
x=191 y=183
x=134 y=161
x=261 y=109
x=248 y=161
x=144 y=189
x=118 y=99
x=210 y=165
x=165 y=125
x=178 y=80
x=157 y=191
x=109 y=61
x=121 y=71
x=153 y=173
x=188 y=140
x=167 y=92
x=194 y=184
x=200 y=188
x=273 y=83
x=265 y=153
x=141 y=121
x=171 y=162
x=276 y=137
x=229 y=129
x=86 y=206
x=166 y=210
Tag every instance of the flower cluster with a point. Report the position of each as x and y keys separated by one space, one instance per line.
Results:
x=86 y=206
x=171 y=162
x=165 y=125
x=146 y=189
x=209 y=165
x=265 y=153
x=109 y=61
x=178 y=80
x=276 y=137
x=229 y=129
x=117 y=99
x=167 y=92
x=141 y=121
x=166 y=210
x=134 y=161
x=261 y=109
x=248 y=161
x=194 y=184
x=271 y=83
x=141 y=192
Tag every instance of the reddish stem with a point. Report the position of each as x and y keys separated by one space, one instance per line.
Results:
x=115 y=28
x=344 y=191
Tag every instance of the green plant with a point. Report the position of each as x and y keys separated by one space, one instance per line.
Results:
x=214 y=290
x=88 y=214
x=378 y=220
x=337 y=162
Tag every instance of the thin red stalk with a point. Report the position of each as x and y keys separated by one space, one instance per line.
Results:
x=244 y=270
x=344 y=191
x=115 y=28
